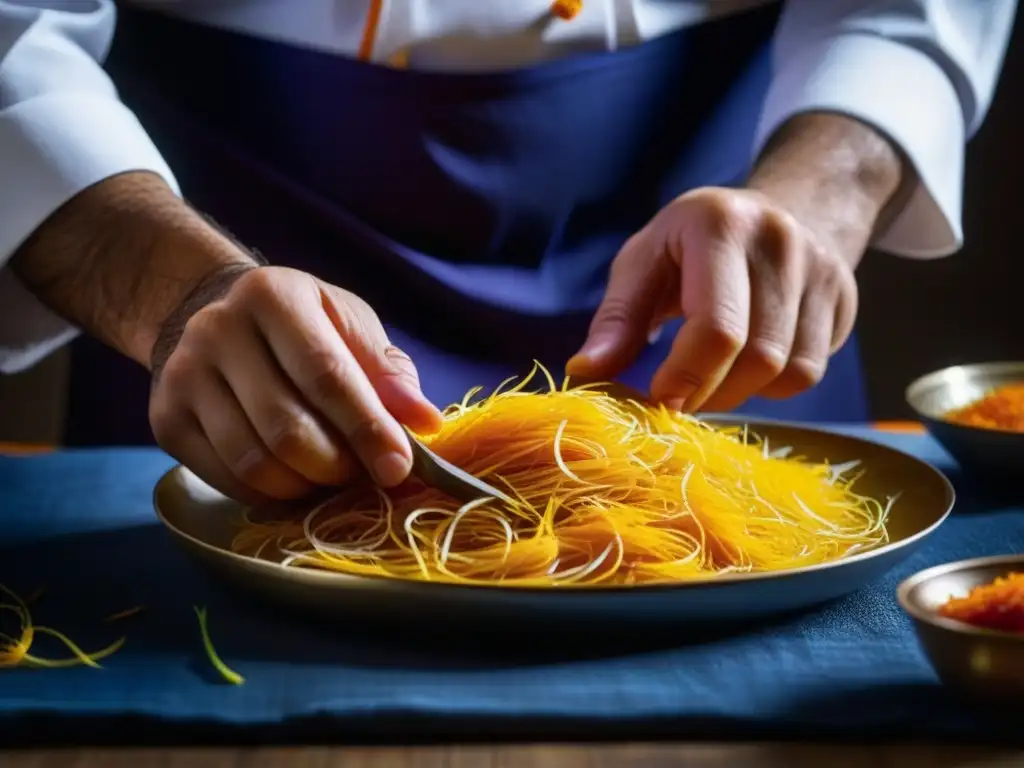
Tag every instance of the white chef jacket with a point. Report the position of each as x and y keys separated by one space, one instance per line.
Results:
x=922 y=72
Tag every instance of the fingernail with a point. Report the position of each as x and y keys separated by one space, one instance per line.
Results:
x=391 y=469
x=675 y=404
x=592 y=351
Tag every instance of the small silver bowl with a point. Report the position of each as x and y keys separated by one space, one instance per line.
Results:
x=995 y=453
x=979 y=662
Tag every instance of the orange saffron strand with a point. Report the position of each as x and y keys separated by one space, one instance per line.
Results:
x=609 y=492
x=125 y=614
x=1002 y=409
x=998 y=606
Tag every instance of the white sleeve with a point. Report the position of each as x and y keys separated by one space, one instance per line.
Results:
x=62 y=129
x=921 y=72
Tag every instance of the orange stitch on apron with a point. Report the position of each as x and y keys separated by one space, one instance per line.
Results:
x=370 y=30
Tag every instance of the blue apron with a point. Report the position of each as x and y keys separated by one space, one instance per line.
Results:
x=477 y=213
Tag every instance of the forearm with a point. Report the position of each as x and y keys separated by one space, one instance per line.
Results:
x=120 y=257
x=839 y=177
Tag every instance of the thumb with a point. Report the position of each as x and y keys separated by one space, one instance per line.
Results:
x=390 y=371
x=624 y=320
x=394 y=376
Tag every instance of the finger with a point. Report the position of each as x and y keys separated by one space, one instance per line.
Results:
x=240 y=448
x=397 y=380
x=776 y=278
x=297 y=436
x=845 y=289
x=295 y=322
x=716 y=303
x=189 y=445
x=809 y=356
x=628 y=313
x=391 y=371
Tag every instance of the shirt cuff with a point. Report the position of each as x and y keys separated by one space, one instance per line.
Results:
x=904 y=95
x=28 y=330
x=52 y=147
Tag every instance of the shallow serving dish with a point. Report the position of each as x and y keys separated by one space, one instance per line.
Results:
x=981 y=662
x=203 y=522
x=989 y=452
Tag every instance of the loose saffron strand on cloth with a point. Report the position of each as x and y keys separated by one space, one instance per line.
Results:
x=14 y=649
x=609 y=492
x=125 y=614
x=225 y=671
x=998 y=605
x=1002 y=409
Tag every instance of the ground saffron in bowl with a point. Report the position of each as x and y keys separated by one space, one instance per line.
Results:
x=1002 y=408
x=998 y=605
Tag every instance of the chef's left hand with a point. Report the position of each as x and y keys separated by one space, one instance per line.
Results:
x=766 y=302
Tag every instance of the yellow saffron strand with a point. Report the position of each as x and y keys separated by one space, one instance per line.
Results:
x=14 y=650
x=608 y=492
x=225 y=671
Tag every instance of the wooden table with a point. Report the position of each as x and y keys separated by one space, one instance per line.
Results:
x=534 y=756
x=527 y=756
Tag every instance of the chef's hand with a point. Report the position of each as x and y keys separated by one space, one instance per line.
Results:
x=283 y=384
x=765 y=303
x=763 y=276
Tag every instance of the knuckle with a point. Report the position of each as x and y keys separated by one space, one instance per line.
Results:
x=720 y=213
x=257 y=285
x=209 y=328
x=614 y=311
x=836 y=279
x=326 y=374
x=804 y=373
x=398 y=359
x=723 y=335
x=286 y=434
x=778 y=238
x=365 y=433
x=167 y=424
x=768 y=355
x=354 y=316
x=252 y=465
x=179 y=374
x=628 y=254
x=399 y=365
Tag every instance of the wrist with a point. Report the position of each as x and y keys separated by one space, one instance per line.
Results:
x=120 y=256
x=191 y=263
x=209 y=288
x=836 y=175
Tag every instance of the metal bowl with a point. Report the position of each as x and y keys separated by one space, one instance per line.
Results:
x=980 y=662
x=991 y=452
x=204 y=522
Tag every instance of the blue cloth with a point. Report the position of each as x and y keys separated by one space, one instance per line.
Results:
x=81 y=524
x=476 y=213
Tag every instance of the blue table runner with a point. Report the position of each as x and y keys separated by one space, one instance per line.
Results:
x=81 y=525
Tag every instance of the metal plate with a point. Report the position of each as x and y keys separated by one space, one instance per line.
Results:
x=203 y=522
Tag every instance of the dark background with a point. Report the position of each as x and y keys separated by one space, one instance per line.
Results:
x=915 y=316
x=919 y=316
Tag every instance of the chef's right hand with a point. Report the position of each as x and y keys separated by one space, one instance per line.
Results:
x=282 y=384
